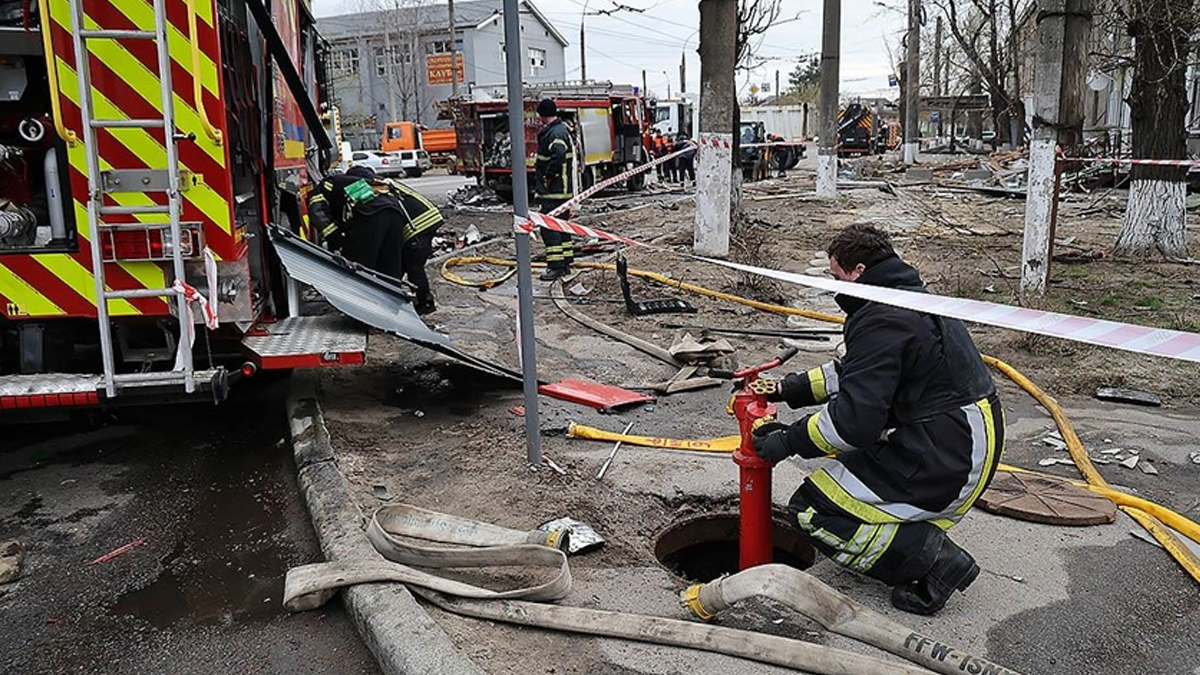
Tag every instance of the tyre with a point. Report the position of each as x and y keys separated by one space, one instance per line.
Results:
x=413 y=173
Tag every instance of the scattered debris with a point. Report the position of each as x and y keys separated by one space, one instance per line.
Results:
x=1148 y=468
x=1110 y=451
x=579 y=290
x=1051 y=461
x=550 y=463
x=644 y=307
x=1054 y=443
x=118 y=551
x=611 y=455
x=381 y=493
x=1134 y=396
x=703 y=350
x=1145 y=536
x=518 y=410
x=583 y=537
x=1102 y=460
x=12 y=553
x=1195 y=457
x=1130 y=462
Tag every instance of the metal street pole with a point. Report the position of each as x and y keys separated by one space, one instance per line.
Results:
x=453 y=53
x=526 y=345
x=583 y=43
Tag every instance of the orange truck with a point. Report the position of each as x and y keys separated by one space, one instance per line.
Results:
x=439 y=143
x=146 y=148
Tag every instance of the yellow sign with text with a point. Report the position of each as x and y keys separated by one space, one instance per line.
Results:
x=437 y=68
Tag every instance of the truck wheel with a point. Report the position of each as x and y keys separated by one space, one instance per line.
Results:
x=505 y=196
x=413 y=173
x=636 y=182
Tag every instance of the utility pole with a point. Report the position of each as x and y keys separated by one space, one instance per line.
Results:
x=387 y=67
x=776 y=86
x=682 y=73
x=645 y=91
x=718 y=117
x=583 y=47
x=831 y=39
x=1064 y=28
x=912 y=94
x=453 y=52
x=526 y=344
x=937 y=71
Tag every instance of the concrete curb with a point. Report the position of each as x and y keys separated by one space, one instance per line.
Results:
x=398 y=631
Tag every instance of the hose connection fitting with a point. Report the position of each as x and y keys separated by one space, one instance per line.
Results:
x=690 y=599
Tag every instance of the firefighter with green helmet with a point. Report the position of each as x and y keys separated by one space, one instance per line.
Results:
x=380 y=224
x=554 y=184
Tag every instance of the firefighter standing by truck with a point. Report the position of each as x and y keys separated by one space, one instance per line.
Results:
x=381 y=224
x=554 y=183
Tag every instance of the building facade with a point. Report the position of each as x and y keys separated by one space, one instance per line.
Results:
x=394 y=64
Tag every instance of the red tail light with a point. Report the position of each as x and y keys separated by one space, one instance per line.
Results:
x=145 y=244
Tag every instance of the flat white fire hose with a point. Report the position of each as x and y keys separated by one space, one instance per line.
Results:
x=393 y=528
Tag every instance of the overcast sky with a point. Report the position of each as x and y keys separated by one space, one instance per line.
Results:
x=621 y=45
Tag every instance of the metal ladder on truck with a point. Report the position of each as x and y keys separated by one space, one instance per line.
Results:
x=97 y=187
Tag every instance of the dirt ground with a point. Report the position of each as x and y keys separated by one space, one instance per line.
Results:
x=445 y=437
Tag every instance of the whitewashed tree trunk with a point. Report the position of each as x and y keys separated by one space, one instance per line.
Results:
x=1155 y=220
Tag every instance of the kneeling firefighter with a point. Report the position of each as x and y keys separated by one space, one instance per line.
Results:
x=381 y=224
x=912 y=427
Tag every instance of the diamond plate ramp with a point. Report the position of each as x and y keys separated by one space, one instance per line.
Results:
x=372 y=298
x=1045 y=500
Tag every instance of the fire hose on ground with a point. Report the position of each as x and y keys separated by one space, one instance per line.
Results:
x=478 y=545
x=1151 y=516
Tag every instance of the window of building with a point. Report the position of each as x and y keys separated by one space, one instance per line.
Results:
x=537 y=58
x=345 y=60
x=399 y=55
x=437 y=47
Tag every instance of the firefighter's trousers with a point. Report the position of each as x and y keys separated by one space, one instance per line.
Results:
x=560 y=248
x=895 y=550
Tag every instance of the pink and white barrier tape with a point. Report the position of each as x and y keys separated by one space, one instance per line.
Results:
x=625 y=175
x=1172 y=344
x=1147 y=162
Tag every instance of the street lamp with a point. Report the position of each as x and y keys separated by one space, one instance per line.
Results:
x=583 y=43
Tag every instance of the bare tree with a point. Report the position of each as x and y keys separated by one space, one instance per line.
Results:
x=1154 y=215
x=989 y=35
x=754 y=18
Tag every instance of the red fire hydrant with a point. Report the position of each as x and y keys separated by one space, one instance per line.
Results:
x=749 y=407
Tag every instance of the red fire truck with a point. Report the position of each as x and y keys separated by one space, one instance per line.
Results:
x=145 y=147
x=607 y=123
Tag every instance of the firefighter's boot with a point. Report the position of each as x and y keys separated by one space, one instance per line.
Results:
x=553 y=274
x=953 y=569
x=425 y=303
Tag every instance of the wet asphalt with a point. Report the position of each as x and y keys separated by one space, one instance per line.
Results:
x=207 y=495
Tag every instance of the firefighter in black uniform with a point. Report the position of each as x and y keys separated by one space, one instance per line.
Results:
x=554 y=180
x=381 y=224
x=912 y=428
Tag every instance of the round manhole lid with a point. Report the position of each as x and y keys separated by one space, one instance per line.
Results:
x=1045 y=500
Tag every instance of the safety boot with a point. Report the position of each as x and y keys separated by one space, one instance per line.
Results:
x=553 y=274
x=425 y=304
x=953 y=569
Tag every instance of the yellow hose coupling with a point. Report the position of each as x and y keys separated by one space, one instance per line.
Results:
x=560 y=539
x=691 y=600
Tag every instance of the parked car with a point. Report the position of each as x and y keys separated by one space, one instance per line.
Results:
x=383 y=163
x=415 y=162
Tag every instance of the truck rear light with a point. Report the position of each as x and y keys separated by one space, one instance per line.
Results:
x=145 y=244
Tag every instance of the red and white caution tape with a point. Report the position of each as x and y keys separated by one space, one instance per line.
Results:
x=1173 y=344
x=1127 y=160
x=541 y=220
x=625 y=175
x=192 y=295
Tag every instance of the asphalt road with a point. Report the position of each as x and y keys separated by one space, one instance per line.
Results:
x=435 y=184
x=211 y=492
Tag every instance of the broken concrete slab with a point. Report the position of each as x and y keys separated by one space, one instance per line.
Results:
x=12 y=553
x=1130 y=462
x=1148 y=468
x=1134 y=396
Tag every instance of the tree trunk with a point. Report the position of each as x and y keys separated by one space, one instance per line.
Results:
x=1154 y=216
x=717 y=183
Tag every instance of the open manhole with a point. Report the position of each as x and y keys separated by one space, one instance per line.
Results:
x=702 y=548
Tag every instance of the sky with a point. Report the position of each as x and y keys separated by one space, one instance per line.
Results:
x=621 y=45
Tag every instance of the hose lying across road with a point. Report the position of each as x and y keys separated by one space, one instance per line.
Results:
x=1148 y=514
x=480 y=545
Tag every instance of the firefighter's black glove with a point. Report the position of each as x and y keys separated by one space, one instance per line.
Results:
x=771 y=442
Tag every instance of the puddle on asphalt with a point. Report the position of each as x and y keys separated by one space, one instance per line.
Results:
x=229 y=563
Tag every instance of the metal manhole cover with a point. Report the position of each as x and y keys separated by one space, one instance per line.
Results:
x=1045 y=500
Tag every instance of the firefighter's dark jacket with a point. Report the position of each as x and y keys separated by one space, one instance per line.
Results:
x=896 y=397
x=337 y=200
x=554 y=169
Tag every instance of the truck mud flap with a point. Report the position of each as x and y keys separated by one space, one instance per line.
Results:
x=372 y=298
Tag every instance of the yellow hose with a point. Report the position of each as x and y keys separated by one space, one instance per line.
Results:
x=1147 y=513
